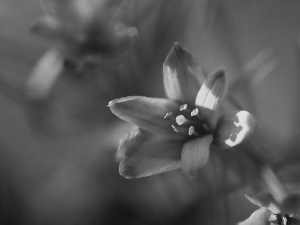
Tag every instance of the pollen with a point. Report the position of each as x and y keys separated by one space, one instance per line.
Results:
x=191 y=130
x=180 y=120
x=183 y=107
x=187 y=121
x=195 y=112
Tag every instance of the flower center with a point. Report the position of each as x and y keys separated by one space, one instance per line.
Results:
x=187 y=121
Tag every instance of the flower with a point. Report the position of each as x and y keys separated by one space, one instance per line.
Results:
x=192 y=113
x=83 y=31
x=284 y=212
x=79 y=39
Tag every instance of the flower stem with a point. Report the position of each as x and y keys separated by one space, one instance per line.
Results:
x=274 y=184
x=271 y=180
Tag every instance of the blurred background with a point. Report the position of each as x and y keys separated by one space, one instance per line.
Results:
x=57 y=149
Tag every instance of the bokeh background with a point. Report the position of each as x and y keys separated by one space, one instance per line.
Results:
x=57 y=156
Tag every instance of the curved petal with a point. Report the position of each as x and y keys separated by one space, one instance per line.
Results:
x=234 y=127
x=145 y=154
x=49 y=30
x=195 y=154
x=258 y=217
x=182 y=75
x=128 y=145
x=210 y=95
x=265 y=200
x=147 y=113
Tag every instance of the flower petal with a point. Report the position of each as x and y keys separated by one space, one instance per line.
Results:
x=182 y=75
x=195 y=154
x=51 y=31
x=210 y=95
x=44 y=74
x=265 y=200
x=147 y=113
x=258 y=217
x=234 y=127
x=128 y=145
x=145 y=154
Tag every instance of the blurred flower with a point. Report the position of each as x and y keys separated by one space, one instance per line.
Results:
x=285 y=212
x=87 y=42
x=83 y=31
x=81 y=35
x=193 y=115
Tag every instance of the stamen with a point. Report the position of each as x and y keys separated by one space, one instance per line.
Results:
x=181 y=120
x=189 y=122
x=192 y=131
x=169 y=116
x=175 y=128
x=183 y=130
x=183 y=107
x=284 y=220
x=195 y=112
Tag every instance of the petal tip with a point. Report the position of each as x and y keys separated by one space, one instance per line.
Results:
x=249 y=120
x=120 y=102
x=182 y=74
x=172 y=54
x=210 y=95
x=234 y=127
x=124 y=171
x=220 y=76
x=177 y=53
x=176 y=45
x=112 y=103
x=118 y=106
x=222 y=70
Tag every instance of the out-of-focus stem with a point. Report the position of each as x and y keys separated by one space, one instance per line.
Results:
x=273 y=183
x=275 y=186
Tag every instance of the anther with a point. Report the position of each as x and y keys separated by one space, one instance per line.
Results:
x=182 y=130
x=175 y=128
x=192 y=131
x=168 y=116
x=195 y=112
x=273 y=218
x=183 y=107
x=181 y=120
